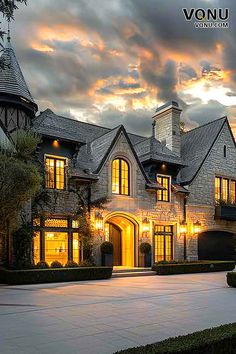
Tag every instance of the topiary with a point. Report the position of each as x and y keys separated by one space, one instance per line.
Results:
x=42 y=265
x=107 y=247
x=71 y=264
x=145 y=248
x=56 y=264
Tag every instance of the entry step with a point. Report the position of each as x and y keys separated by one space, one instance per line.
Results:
x=124 y=274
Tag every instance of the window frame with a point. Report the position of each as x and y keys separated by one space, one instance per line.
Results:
x=120 y=177
x=56 y=158
x=161 y=191
x=165 y=234
x=221 y=200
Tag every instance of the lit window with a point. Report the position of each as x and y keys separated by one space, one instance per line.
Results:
x=225 y=190
x=120 y=177
x=55 y=172
x=56 y=247
x=76 y=248
x=36 y=247
x=164 y=194
x=56 y=223
x=163 y=243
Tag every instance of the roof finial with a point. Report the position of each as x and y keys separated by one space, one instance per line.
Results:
x=8 y=33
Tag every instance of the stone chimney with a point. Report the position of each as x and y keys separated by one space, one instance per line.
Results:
x=167 y=126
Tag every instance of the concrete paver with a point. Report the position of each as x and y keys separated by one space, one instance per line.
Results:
x=104 y=316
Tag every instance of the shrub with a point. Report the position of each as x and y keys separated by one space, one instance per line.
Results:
x=71 y=264
x=37 y=276
x=145 y=248
x=42 y=265
x=56 y=264
x=193 y=267
x=231 y=279
x=107 y=247
x=218 y=340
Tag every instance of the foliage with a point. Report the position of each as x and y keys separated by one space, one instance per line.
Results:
x=145 y=248
x=56 y=264
x=42 y=265
x=231 y=279
x=193 y=267
x=36 y=276
x=217 y=340
x=107 y=247
x=86 y=263
x=19 y=179
x=22 y=245
x=71 y=264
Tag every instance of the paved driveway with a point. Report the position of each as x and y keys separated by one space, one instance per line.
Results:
x=104 y=316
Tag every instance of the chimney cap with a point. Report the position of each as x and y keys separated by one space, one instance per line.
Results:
x=167 y=104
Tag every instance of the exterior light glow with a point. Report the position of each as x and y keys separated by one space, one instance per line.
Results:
x=146 y=225
x=56 y=143
x=197 y=227
x=183 y=227
x=98 y=221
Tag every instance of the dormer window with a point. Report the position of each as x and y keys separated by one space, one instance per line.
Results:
x=55 y=172
x=120 y=177
x=163 y=195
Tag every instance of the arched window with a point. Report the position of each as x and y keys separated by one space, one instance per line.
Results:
x=120 y=177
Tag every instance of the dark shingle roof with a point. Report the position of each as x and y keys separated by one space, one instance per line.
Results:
x=11 y=78
x=195 y=145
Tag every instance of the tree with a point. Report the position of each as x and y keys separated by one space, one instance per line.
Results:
x=7 y=8
x=19 y=180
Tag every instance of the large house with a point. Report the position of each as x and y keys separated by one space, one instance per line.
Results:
x=174 y=190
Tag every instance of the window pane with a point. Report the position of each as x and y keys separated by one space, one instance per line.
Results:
x=159 y=248
x=168 y=240
x=56 y=222
x=76 y=248
x=36 y=247
x=56 y=247
x=75 y=224
x=225 y=190
x=233 y=192
x=217 y=189
x=124 y=178
x=60 y=174
x=115 y=176
x=50 y=177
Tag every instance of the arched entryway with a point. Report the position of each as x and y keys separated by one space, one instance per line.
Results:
x=121 y=231
x=217 y=245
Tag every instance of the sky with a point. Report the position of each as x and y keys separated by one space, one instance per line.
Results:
x=112 y=62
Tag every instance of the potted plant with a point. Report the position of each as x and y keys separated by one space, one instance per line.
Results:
x=145 y=249
x=107 y=253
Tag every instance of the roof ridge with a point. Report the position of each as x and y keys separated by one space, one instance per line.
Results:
x=204 y=125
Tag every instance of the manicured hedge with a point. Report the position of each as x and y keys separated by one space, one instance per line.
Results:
x=193 y=267
x=218 y=340
x=231 y=279
x=35 y=276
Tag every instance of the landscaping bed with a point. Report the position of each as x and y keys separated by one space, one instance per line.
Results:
x=192 y=267
x=218 y=340
x=36 y=276
x=231 y=279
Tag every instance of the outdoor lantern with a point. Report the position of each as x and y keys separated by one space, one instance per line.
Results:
x=98 y=221
x=55 y=143
x=197 y=227
x=146 y=225
x=183 y=227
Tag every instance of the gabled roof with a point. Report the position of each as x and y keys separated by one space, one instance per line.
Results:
x=196 y=145
x=50 y=124
x=12 y=81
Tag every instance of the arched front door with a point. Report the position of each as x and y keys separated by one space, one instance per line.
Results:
x=115 y=239
x=216 y=245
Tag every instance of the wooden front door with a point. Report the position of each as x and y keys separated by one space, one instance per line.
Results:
x=115 y=239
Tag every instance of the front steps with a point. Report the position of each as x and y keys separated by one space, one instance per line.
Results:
x=122 y=272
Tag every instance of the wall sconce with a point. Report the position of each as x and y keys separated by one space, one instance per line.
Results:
x=98 y=221
x=146 y=225
x=197 y=227
x=56 y=143
x=183 y=227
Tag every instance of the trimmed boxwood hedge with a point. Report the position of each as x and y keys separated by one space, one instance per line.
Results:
x=231 y=279
x=35 y=276
x=193 y=267
x=218 y=340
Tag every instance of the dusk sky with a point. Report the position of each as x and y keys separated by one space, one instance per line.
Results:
x=114 y=62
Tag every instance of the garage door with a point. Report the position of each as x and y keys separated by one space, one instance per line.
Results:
x=217 y=245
